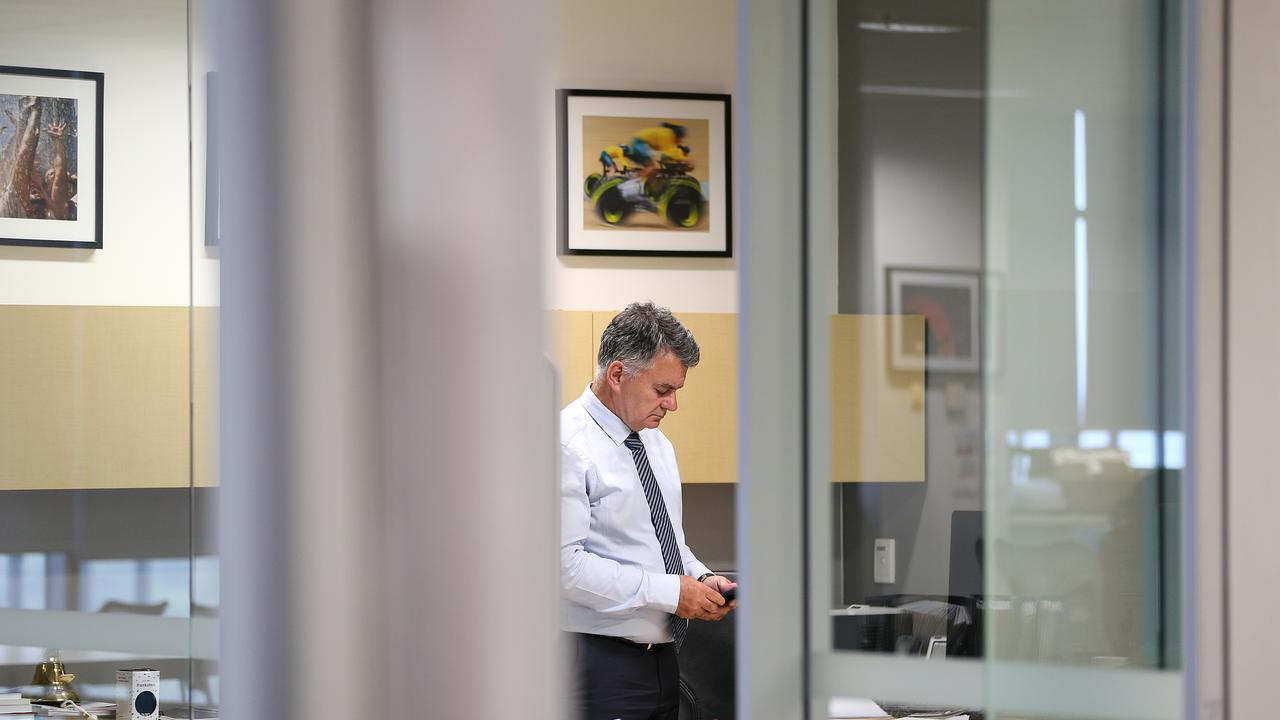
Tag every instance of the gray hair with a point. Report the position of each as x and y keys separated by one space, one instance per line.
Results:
x=641 y=331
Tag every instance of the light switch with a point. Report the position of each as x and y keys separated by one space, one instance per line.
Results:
x=884 y=560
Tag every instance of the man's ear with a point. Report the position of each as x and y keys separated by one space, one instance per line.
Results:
x=613 y=373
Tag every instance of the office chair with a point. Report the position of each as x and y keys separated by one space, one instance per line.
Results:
x=707 y=671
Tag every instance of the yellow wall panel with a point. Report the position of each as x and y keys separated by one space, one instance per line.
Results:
x=572 y=350
x=93 y=397
x=204 y=404
x=704 y=428
x=878 y=419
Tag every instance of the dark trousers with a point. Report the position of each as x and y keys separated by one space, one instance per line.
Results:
x=619 y=680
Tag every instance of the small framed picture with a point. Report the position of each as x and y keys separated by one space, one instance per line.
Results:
x=948 y=300
x=50 y=157
x=644 y=173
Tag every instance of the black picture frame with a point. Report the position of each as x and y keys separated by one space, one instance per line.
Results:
x=950 y=299
x=657 y=215
x=54 y=89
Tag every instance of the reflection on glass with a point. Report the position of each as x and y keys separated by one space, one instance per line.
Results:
x=1078 y=485
x=1069 y=550
x=100 y=540
x=909 y=529
x=1040 y=527
x=75 y=584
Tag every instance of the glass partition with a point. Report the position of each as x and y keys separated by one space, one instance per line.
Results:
x=105 y=558
x=206 y=238
x=995 y=411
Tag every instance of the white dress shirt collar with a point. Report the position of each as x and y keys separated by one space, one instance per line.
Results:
x=604 y=417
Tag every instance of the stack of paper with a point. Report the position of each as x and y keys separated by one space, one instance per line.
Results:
x=860 y=708
x=13 y=703
x=101 y=710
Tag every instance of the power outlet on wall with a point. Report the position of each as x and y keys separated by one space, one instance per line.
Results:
x=884 y=561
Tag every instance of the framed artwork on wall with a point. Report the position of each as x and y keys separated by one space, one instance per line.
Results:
x=949 y=302
x=50 y=157
x=644 y=173
x=212 y=174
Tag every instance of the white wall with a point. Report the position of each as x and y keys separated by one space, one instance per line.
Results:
x=141 y=48
x=205 y=265
x=663 y=45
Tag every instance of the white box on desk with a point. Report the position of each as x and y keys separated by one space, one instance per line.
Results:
x=137 y=694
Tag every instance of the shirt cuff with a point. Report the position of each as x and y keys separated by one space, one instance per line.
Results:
x=696 y=569
x=666 y=590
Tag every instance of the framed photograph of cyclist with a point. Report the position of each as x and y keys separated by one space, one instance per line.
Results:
x=50 y=157
x=949 y=302
x=644 y=173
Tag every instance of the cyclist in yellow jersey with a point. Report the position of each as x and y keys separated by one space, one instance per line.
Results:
x=616 y=158
x=651 y=146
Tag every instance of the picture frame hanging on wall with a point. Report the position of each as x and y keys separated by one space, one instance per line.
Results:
x=50 y=157
x=949 y=300
x=212 y=165
x=644 y=173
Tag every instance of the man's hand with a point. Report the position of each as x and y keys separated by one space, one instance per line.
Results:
x=701 y=601
x=720 y=584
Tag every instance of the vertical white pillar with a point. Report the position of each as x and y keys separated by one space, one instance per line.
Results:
x=389 y=518
x=1252 y=400
x=772 y=658
x=459 y=131
x=1203 y=594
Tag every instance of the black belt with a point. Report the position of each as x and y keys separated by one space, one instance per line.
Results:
x=647 y=647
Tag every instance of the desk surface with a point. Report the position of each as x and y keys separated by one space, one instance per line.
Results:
x=867 y=610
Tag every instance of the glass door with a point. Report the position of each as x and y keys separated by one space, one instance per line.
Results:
x=995 y=411
x=98 y=521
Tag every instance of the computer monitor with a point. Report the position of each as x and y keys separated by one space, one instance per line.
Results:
x=965 y=575
x=965 y=578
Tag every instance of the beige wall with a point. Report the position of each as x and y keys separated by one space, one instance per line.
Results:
x=704 y=428
x=101 y=397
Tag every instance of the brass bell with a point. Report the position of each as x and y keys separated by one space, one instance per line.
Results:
x=52 y=676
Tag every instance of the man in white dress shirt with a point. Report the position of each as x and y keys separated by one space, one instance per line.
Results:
x=630 y=582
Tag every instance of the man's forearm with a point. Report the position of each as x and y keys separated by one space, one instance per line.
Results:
x=610 y=587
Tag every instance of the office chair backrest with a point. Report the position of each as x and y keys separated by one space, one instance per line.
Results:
x=707 y=671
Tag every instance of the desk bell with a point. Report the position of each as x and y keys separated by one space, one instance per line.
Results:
x=55 y=682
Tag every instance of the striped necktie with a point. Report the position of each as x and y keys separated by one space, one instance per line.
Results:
x=661 y=524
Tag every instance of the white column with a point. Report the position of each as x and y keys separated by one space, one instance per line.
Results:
x=1202 y=501
x=771 y=649
x=389 y=520
x=1252 y=398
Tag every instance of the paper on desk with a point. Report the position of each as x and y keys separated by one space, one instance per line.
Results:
x=101 y=709
x=859 y=708
x=855 y=708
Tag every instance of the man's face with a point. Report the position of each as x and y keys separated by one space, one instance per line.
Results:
x=651 y=394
